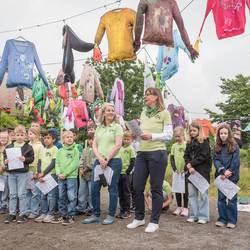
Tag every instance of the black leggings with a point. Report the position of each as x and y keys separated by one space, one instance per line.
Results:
x=180 y=196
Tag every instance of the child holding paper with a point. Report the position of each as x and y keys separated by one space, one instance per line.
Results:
x=4 y=139
x=46 y=164
x=227 y=164
x=178 y=164
x=128 y=160
x=33 y=194
x=197 y=158
x=67 y=164
x=17 y=178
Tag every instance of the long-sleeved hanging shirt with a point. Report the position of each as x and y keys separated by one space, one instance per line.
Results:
x=159 y=17
x=177 y=115
x=119 y=26
x=18 y=59
x=167 y=59
x=229 y=16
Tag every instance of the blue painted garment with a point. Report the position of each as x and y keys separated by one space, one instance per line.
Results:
x=167 y=59
x=18 y=59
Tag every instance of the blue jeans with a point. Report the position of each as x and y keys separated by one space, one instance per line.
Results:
x=116 y=166
x=18 y=189
x=227 y=209
x=67 y=197
x=48 y=201
x=4 y=195
x=84 y=195
x=199 y=203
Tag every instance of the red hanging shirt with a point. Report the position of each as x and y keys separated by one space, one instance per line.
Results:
x=229 y=16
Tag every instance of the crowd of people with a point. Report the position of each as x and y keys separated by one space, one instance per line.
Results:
x=138 y=167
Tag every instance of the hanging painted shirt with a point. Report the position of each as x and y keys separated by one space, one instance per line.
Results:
x=119 y=25
x=229 y=16
x=68 y=121
x=90 y=84
x=177 y=115
x=18 y=59
x=78 y=108
x=117 y=94
x=206 y=127
x=168 y=60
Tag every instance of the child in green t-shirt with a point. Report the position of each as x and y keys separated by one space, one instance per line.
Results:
x=178 y=163
x=128 y=159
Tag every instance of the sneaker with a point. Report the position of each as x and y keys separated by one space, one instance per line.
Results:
x=151 y=228
x=219 y=224
x=109 y=220
x=119 y=216
x=40 y=218
x=68 y=220
x=57 y=220
x=32 y=216
x=184 y=212
x=231 y=225
x=201 y=221
x=10 y=218
x=91 y=219
x=125 y=215
x=22 y=219
x=191 y=220
x=177 y=211
x=48 y=218
x=136 y=223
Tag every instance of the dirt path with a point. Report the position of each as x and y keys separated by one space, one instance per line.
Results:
x=174 y=233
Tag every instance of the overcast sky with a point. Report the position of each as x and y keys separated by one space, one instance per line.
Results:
x=196 y=85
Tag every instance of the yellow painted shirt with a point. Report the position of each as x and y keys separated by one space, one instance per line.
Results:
x=119 y=25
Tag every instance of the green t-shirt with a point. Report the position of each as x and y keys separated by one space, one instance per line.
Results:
x=105 y=137
x=38 y=149
x=154 y=125
x=178 y=151
x=127 y=153
x=48 y=154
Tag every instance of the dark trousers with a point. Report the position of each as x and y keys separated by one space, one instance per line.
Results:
x=132 y=190
x=180 y=196
x=124 y=193
x=151 y=164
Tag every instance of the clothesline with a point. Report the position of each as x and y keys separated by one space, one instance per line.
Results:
x=60 y=20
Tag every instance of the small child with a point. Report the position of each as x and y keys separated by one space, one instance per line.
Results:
x=167 y=196
x=85 y=173
x=46 y=165
x=17 y=178
x=56 y=135
x=227 y=164
x=128 y=160
x=4 y=195
x=67 y=164
x=33 y=193
x=178 y=164
x=197 y=158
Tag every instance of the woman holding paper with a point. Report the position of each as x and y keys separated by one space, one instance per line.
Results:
x=227 y=164
x=151 y=158
x=106 y=145
x=197 y=159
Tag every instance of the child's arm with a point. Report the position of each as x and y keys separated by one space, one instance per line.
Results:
x=50 y=167
x=218 y=165
x=58 y=170
x=235 y=162
x=172 y=160
x=187 y=157
x=203 y=154
x=168 y=201
x=131 y=166
x=29 y=155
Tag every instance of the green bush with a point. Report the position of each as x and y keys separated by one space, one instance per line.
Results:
x=245 y=157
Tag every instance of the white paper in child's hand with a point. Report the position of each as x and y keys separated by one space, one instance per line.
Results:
x=13 y=155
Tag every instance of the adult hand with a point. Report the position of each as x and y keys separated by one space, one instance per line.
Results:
x=146 y=136
x=103 y=162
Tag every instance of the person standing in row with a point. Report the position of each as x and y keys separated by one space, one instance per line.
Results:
x=151 y=159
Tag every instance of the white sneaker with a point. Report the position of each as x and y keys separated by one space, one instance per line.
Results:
x=136 y=223
x=191 y=220
x=177 y=211
x=151 y=228
x=202 y=221
x=40 y=218
x=48 y=218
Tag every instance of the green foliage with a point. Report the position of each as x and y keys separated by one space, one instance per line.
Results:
x=245 y=157
x=132 y=75
x=7 y=121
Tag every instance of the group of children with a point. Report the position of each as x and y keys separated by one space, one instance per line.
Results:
x=71 y=167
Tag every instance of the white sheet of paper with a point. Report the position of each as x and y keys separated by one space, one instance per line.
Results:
x=134 y=127
x=48 y=184
x=12 y=155
x=199 y=182
x=178 y=183
x=243 y=208
x=2 y=183
x=227 y=187
x=108 y=173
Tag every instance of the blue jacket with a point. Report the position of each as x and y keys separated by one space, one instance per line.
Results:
x=224 y=160
x=167 y=59
x=18 y=59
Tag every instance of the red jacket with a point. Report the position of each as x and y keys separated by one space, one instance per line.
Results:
x=229 y=16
